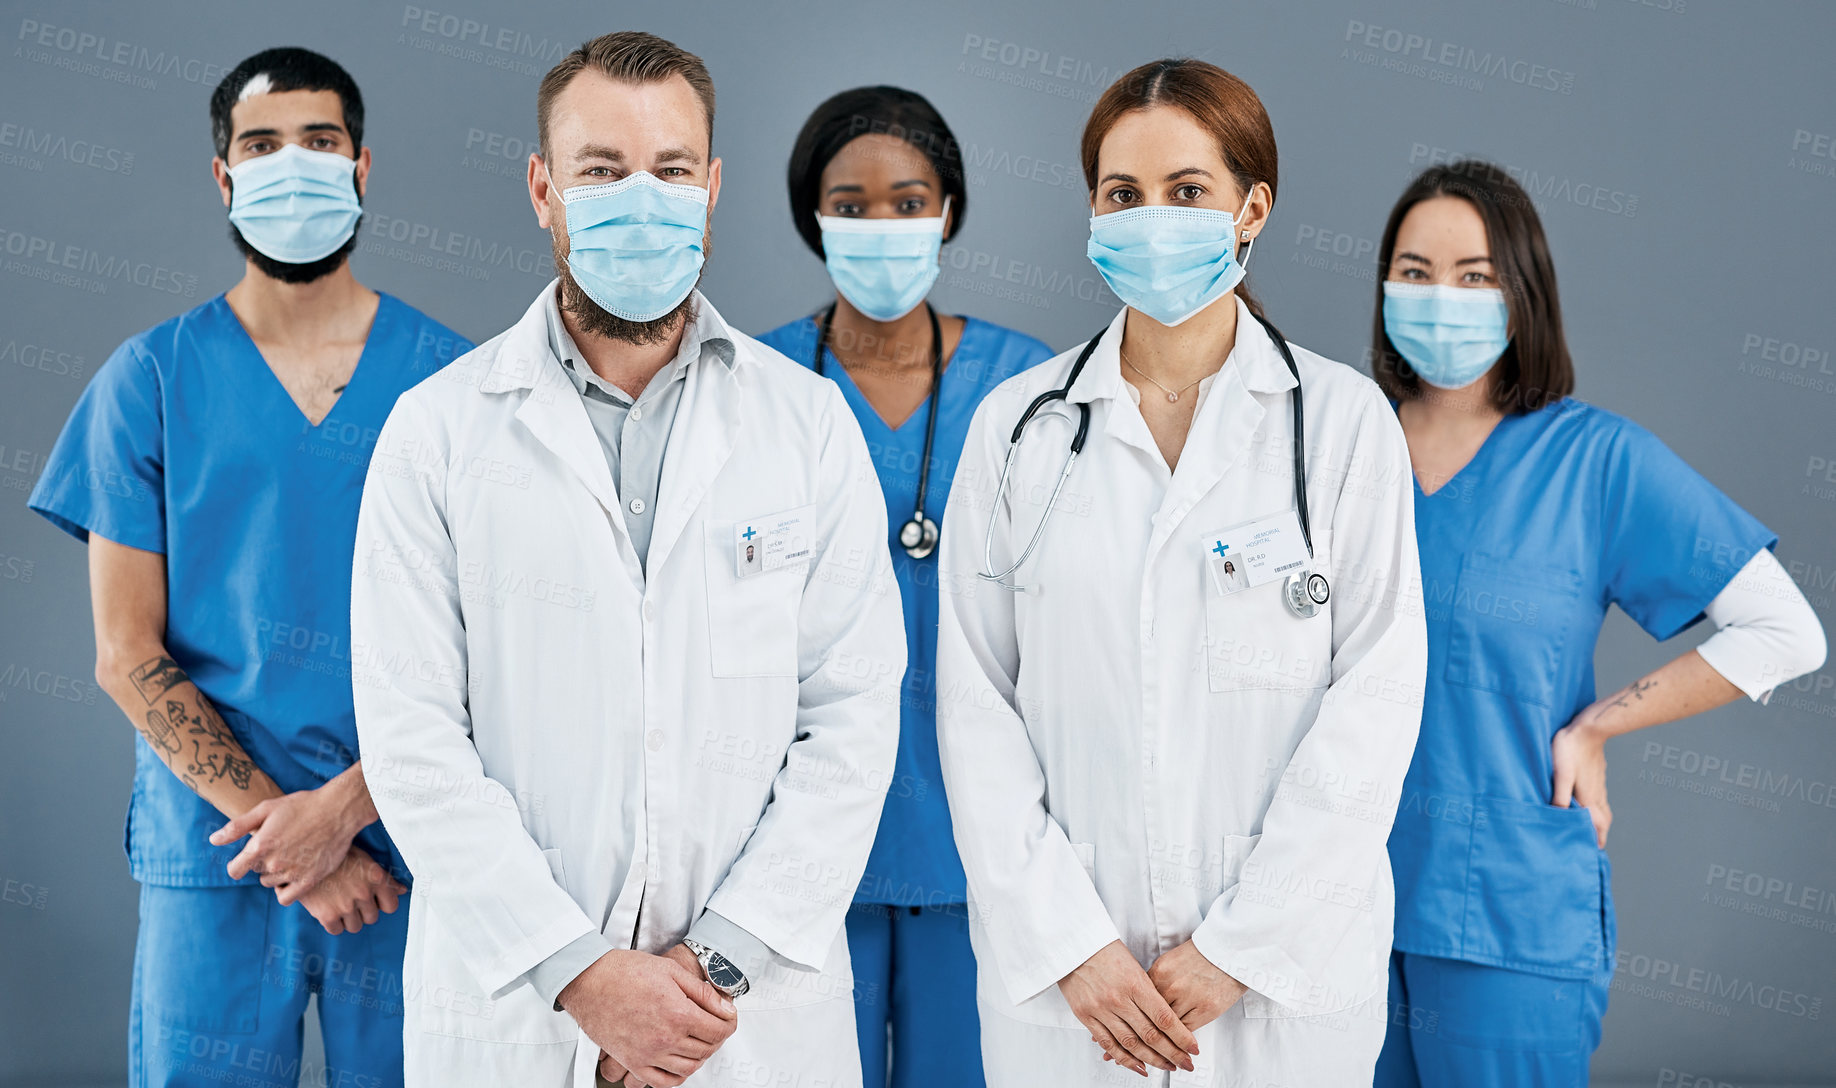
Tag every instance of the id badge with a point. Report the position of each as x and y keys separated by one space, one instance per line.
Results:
x=1253 y=553
x=773 y=542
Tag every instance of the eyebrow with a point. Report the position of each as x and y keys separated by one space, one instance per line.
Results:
x=600 y=151
x=612 y=154
x=906 y=184
x=1174 y=176
x=1407 y=256
x=316 y=126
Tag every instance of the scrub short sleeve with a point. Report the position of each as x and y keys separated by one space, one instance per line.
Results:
x=1674 y=540
x=106 y=474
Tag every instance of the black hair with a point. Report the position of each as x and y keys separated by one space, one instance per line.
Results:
x=1535 y=368
x=867 y=111
x=288 y=69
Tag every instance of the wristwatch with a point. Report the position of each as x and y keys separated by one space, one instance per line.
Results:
x=722 y=974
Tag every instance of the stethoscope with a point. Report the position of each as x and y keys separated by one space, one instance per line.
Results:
x=1305 y=590
x=918 y=536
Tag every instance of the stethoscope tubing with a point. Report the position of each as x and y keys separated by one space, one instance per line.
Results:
x=927 y=532
x=1063 y=393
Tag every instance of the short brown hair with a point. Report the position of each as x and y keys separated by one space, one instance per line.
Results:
x=630 y=56
x=1535 y=368
x=1220 y=102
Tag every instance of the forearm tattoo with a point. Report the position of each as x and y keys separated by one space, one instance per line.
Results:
x=1636 y=691
x=156 y=677
x=182 y=723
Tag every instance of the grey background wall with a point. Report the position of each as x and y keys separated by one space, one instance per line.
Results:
x=1682 y=153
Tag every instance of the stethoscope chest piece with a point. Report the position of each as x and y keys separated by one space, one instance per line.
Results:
x=918 y=536
x=1306 y=592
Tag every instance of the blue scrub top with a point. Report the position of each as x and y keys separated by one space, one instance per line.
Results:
x=1562 y=512
x=914 y=860
x=185 y=443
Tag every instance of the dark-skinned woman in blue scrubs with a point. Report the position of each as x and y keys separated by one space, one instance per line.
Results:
x=876 y=187
x=1534 y=511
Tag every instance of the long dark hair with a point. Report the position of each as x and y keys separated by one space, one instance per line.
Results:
x=1536 y=368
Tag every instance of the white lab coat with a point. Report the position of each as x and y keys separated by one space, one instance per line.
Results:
x=530 y=706
x=1131 y=754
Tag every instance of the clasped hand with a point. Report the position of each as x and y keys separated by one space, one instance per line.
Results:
x=656 y=1018
x=301 y=844
x=1146 y=1018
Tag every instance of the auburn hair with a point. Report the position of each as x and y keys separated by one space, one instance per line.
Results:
x=1221 y=103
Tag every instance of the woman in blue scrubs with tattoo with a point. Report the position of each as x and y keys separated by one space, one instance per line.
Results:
x=1534 y=511
x=876 y=187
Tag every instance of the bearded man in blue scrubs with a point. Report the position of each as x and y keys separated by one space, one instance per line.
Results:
x=214 y=467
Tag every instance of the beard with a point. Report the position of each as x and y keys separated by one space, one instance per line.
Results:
x=287 y=272
x=598 y=321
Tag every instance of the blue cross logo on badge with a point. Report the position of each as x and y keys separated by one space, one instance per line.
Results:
x=1220 y=547
x=749 y=534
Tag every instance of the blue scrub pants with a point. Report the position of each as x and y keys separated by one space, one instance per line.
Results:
x=913 y=969
x=1466 y=1025
x=221 y=978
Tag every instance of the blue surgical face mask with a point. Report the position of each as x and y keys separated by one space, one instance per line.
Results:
x=295 y=205
x=883 y=267
x=635 y=246
x=1450 y=336
x=1167 y=262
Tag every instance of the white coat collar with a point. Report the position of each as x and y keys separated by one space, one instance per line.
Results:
x=1256 y=360
x=527 y=359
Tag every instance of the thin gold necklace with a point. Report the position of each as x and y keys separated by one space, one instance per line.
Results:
x=1171 y=394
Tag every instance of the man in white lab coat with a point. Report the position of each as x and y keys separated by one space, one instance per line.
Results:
x=635 y=775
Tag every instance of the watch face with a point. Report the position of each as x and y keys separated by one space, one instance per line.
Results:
x=722 y=973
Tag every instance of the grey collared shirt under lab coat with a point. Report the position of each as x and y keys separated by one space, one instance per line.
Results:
x=634 y=435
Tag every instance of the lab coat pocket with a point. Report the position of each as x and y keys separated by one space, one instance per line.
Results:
x=784 y=985
x=1535 y=897
x=752 y=621
x=446 y=999
x=1274 y=889
x=1507 y=626
x=1254 y=643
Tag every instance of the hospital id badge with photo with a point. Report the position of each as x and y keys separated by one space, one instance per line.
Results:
x=773 y=542
x=1248 y=555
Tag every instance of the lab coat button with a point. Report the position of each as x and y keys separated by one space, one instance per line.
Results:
x=654 y=741
x=650 y=610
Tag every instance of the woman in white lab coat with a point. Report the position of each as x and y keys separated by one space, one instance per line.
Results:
x=1171 y=788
